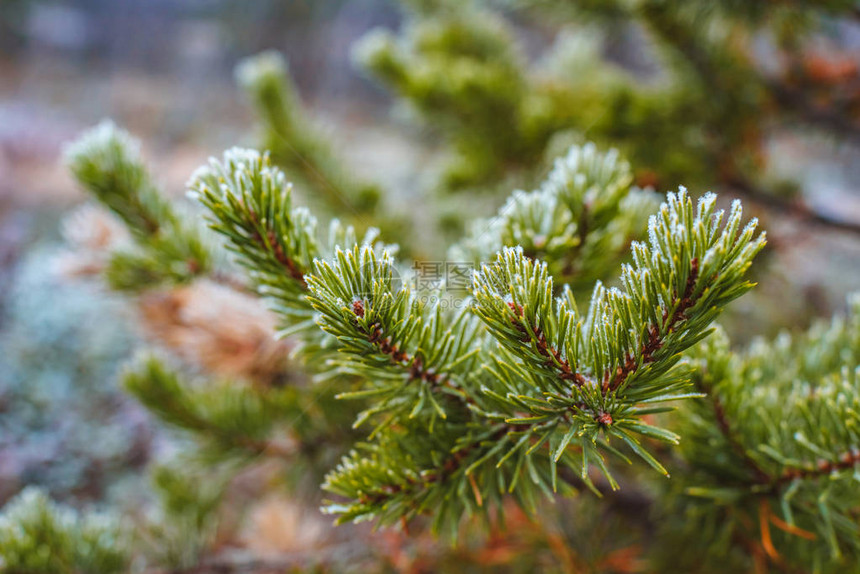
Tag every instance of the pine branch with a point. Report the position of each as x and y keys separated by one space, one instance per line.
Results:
x=834 y=121
x=500 y=399
x=623 y=352
x=454 y=64
x=796 y=398
x=226 y=420
x=824 y=468
x=796 y=208
x=106 y=162
x=389 y=337
x=580 y=221
x=249 y=202
x=711 y=66
x=724 y=426
x=558 y=381
x=294 y=145
x=40 y=537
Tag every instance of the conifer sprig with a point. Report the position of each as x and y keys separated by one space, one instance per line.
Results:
x=781 y=420
x=408 y=350
x=249 y=202
x=561 y=389
x=579 y=222
x=293 y=142
x=237 y=421
x=107 y=163
x=457 y=469
x=455 y=65
x=559 y=382
x=526 y=391
x=596 y=372
x=40 y=537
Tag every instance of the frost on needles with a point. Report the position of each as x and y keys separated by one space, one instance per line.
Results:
x=555 y=387
x=469 y=405
x=518 y=392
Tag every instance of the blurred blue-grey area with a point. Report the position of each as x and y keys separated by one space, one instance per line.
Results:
x=64 y=424
x=164 y=68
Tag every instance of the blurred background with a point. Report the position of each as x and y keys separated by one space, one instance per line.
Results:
x=163 y=69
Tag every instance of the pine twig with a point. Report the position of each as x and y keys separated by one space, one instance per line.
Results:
x=795 y=208
x=793 y=100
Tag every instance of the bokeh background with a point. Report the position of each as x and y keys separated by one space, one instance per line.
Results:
x=164 y=70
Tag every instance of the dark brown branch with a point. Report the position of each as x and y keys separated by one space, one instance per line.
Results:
x=795 y=208
x=788 y=98
x=415 y=364
x=736 y=446
x=728 y=433
x=290 y=265
x=649 y=347
x=655 y=340
x=552 y=355
x=271 y=243
x=796 y=102
x=824 y=467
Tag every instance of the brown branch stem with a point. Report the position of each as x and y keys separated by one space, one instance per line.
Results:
x=270 y=243
x=795 y=208
x=415 y=364
x=846 y=460
x=552 y=355
x=655 y=340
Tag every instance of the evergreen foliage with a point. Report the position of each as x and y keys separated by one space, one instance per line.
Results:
x=297 y=148
x=583 y=355
x=518 y=392
x=515 y=390
x=168 y=248
x=420 y=360
x=780 y=423
x=695 y=105
x=580 y=221
x=294 y=145
x=456 y=65
x=40 y=537
x=250 y=202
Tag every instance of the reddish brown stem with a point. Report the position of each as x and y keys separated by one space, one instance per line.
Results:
x=415 y=364
x=553 y=355
x=734 y=443
x=654 y=341
x=825 y=467
x=270 y=242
